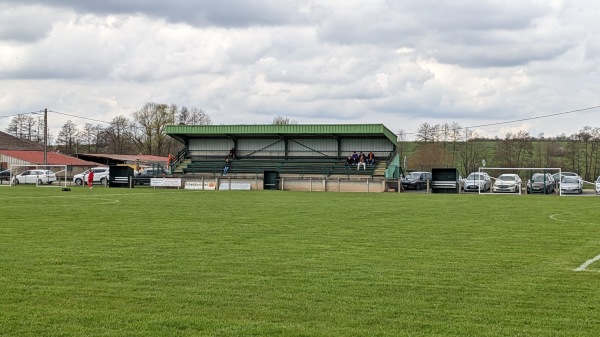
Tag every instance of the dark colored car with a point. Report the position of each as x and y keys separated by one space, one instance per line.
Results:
x=541 y=183
x=416 y=180
x=4 y=175
x=144 y=176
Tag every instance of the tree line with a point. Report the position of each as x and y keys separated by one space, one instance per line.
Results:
x=143 y=132
x=450 y=145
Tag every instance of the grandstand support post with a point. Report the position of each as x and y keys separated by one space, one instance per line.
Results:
x=367 y=185
x=282 y=183
x=338 y=184
x=230 y=183
x=203 y=183
x=217 y=184
x=324 y=185
x=310 y=180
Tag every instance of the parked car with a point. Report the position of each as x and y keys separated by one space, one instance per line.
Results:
x=416 y=180
x=477 y=181
x=598 y=185
x=100 y=176
x=144 y=176
x=564 y=174
x=541 y=183
x=4 y=175
x=507 y=182
x=570 y=184
x=35 y=177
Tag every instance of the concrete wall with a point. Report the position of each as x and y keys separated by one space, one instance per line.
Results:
x=307 y=184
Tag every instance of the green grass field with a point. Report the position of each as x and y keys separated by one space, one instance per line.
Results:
x=143 y=262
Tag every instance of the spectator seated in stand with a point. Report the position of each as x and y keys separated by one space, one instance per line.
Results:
x=370 y=158
x=354 y=158
x=226 y=166
x=232 y=153
x=349 y=161
x=361 y=161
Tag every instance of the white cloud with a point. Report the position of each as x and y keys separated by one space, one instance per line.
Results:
x=400 y=63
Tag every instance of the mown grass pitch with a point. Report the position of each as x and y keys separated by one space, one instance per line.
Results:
x=142 y=262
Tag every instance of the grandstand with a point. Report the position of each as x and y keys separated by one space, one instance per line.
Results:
x=298 y=151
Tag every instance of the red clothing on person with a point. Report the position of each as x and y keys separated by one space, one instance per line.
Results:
x=90 y=178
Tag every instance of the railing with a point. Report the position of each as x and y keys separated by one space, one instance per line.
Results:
x=283 y=167
x=178 y=158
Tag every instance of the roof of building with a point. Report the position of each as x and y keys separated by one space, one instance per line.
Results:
x=110 y=159
x=53 y=158
x=291 y=130
x=10 y=142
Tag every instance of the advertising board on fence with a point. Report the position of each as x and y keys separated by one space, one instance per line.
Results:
x=235 y=186
x=165 y=182
x=198 y=185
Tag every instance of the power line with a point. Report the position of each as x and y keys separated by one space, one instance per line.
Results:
x=405 y=133
x=74 y=116
x=23 y=113
x=520 y=120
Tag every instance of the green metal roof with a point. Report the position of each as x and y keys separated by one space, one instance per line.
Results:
x=288 y=129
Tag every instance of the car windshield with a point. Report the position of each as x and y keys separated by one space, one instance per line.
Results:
x=570 y=180
x=475 y=176
x=414 y=175
x=507 y=178
x=539 y=178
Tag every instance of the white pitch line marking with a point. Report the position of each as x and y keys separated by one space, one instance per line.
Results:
x=554 y=217
x=587 y=263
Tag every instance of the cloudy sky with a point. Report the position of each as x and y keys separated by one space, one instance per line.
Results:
x=396 y=62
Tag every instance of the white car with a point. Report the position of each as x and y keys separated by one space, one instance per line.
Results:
x=477 y=181
x=35 y=177
x=100 y=176
x=507 y=182
x=570 y=184
x=598 y=185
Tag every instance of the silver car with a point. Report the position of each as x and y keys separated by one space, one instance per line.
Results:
x=507 y=182
x=570 y=184
x=477 y=181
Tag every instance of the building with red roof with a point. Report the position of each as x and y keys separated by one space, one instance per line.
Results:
x=16 y=151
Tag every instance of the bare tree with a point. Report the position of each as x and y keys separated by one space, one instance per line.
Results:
x=455 y=137
x=149 y=136
x=471 y=153
x=426 y=132
x=24 y=127
x=192 y=116
x=90 y=137
x=68 y=137
x=279 y=120
x=118 y=136
x=585 y=136
x=428 y=156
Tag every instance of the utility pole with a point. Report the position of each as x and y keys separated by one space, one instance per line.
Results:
x=46 y=136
